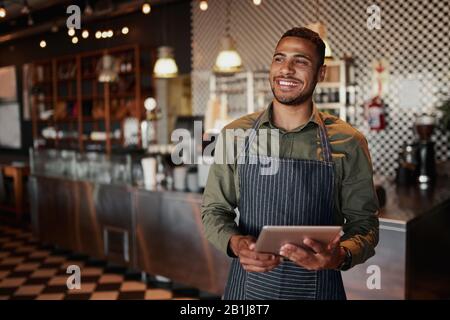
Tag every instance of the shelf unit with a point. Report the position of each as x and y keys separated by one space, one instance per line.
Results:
x=72 y=110
x=336 y=93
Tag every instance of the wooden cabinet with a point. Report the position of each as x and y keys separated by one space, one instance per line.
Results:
x=72 y=109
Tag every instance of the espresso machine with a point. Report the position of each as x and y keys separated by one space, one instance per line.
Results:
x=426 y=165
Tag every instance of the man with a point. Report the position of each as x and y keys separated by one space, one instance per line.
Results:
x=323 y=177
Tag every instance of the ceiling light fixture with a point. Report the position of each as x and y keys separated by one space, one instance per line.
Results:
x=108 y=66
x=125 y=30
x=43 y=44
x=228 y=60
x=203 y=5
x=321 y=29
x=98 y=34
x=2 y=10
x=85 y=34
x=71 y=32
x=75 y=40
x=146 y=8
x=165 y=66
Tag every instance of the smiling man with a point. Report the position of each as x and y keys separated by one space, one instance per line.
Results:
x=324 y=177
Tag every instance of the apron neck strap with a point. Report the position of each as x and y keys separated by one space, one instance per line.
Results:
x=326 y=146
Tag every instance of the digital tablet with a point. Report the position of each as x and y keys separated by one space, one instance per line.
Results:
x=272 y=238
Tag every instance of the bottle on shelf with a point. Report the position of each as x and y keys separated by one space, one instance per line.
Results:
x=160 y=172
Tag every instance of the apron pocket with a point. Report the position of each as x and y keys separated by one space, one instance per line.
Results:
x=286 y=282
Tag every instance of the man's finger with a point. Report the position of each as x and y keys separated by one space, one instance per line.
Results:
x=334 y=243
x=256 y=255
x=259 y=263
x=294 y=253
x=315 y=246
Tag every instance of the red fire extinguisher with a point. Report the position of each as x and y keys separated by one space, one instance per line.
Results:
x=375 y=114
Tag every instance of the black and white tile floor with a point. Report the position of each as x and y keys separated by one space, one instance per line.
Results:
x=29 y=270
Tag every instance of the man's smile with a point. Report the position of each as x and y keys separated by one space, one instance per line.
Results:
x=287 y=84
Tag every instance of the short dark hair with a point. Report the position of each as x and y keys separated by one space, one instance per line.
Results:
x=308 y=34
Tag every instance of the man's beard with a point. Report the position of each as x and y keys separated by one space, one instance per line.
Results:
x=293 y=101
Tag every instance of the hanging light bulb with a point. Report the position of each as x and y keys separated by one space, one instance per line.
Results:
x=85 y=34
x=43 y=44
x=165 y=66
x=228 y=60
x=108 y=69
x=71 y=32
x=146 y=8
x=2 y=11
x=125 y=30
x=203 y=5
x=75 y=40
x=98 y=35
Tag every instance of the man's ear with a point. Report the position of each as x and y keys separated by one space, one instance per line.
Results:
x=321 y=73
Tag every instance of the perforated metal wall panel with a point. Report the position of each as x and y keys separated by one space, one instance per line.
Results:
x=414 y=38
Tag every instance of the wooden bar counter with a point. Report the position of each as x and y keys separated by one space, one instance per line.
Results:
x=161 y=233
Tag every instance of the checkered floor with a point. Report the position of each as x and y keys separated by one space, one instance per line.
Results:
x=29 y=270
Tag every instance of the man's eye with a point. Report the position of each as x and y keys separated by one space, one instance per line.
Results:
x=302 y=61
x=278 y=59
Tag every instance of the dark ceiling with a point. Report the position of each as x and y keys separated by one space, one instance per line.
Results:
x=46 y=14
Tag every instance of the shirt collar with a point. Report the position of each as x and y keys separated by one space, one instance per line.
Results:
x=266 y=118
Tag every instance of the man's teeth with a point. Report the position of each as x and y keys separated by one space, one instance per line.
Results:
x=287 y=83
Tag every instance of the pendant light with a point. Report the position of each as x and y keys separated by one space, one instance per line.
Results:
x=165 y=66
x=108 y=69
x=228 y=61
x=321 y=29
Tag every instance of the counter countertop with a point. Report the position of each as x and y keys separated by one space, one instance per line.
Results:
x=406 y=203
x=403 y=204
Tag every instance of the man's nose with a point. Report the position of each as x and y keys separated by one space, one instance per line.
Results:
x=287 y=67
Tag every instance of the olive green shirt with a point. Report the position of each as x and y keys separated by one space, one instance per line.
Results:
x=355 y=200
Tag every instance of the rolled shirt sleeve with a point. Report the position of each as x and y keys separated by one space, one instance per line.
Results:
x=359 y=204
x=220 y=201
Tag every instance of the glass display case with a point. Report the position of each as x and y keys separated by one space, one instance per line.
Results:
x=91 y=166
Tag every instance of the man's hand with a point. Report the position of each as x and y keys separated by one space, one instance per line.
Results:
x=316 y=256
x=244 y=248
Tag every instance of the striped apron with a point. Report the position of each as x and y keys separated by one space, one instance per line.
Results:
x=300 y=193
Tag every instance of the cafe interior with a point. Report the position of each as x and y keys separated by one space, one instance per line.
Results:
x=92 y=92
